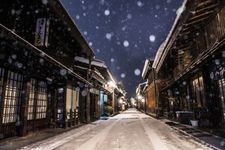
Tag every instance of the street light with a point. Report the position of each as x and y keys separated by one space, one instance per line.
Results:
x=139 y=97
x=111 y=84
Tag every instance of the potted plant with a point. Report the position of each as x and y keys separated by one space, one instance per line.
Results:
x=195 y=120
x=194 y=123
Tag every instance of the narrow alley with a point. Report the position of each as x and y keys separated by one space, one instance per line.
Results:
x=131 y=130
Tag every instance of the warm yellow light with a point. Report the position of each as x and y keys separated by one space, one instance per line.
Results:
x=139 y=97
x=112 y=84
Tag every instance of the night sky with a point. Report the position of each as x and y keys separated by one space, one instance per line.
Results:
x=124 y=33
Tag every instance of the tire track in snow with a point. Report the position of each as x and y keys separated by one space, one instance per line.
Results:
x=153 y=137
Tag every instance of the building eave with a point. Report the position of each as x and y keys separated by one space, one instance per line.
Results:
x=13 y=36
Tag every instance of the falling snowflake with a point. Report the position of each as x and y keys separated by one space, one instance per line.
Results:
x=41 y=60
x=157 y=7
x=124 y=28
x=223 y=53
x=44 y=2
x=90 y=43
x=19 y=65
x=123 y=75
x=152 y=38
x=125 y=43
x=140 y=4
x=108 y=36
x=10 y=60
x=63 y=72
x=102 y=2
x=14 y=56
x=84 y=7
x=85 y=32
x=168 y=1
x=112 y=60
x=222 y=143
x=60 y=90
x=77 y=17
x=84 y=93
x=129 y=16
x=107 y=12
x=187 y=97
x=217 y=61
x=97 y=27
x=137 y=72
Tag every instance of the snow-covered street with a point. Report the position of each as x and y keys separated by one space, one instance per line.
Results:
x=131 y=130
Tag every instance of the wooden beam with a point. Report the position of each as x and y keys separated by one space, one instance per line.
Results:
x=205 y=2
x=203 y=15
x=210 y=7
x=196 y=21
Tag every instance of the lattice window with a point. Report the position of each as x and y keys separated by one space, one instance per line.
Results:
x=60 y=104
x=41 y=100
x=198 y=87
x=12 y=97
x=31 y=100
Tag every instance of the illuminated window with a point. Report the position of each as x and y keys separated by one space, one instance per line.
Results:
x=198 y=89
x=41 y=108
x=31 y=99
x=12 y=97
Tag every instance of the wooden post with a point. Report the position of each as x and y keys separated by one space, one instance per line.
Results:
x=88 y=100
x=24 y=108
x=2 y=104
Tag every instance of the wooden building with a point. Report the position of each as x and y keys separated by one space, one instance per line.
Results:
x=190 y=63
x=149 y=91
x=39 y=85
x=104 y=92
x=141 y=99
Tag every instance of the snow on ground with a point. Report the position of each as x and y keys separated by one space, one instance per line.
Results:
x=130 y=130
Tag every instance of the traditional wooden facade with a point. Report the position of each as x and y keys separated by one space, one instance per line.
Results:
x=149 y=91
x=104 y=93
x=141 y=100
x=39 y=85
x=190 y=63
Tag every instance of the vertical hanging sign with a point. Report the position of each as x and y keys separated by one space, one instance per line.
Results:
x=42 y=30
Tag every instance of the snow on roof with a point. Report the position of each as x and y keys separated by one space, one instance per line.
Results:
x=94 y=62
x=97 y=63
x=162 y=51
x=145 y=69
